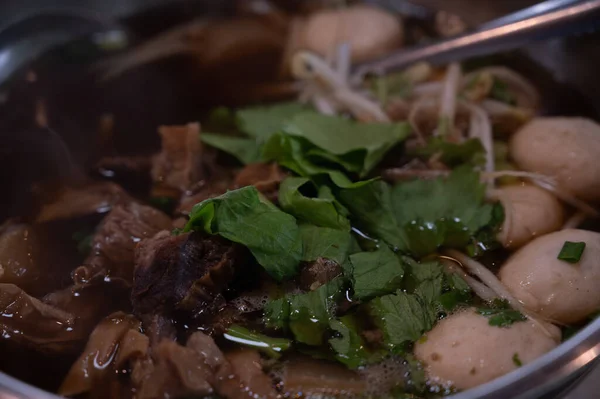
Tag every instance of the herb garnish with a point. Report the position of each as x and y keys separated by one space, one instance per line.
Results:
x=571 y=251
x=500 y=314
x=516 y=360
x=246 y=217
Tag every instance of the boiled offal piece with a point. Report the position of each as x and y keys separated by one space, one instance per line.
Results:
x=464 y=350
x=552 y=288
x=29 y=321
x=563 y=148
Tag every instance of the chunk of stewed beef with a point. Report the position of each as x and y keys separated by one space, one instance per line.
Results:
x=184 y=273
x=116 y=238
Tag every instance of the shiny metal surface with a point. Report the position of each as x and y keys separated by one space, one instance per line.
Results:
x=552 y=374
x=529 y=12
x=573 y=19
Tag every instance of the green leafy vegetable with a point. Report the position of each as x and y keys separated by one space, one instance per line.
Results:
x=402 y=318
x=277 y=313
x=376 y=273
x=456 y=291
x=452 y=154
x=399 y=84
x=501 y=92
x=323 y=212
x=485 y=239
x=324 y=242
x=246 y=150
x=264 y=121
x=165 y=204
x=268 y=345
x=291 y=153
x=357 y=147
x=84 y=240
x=571 y=251
x=307 y=315
x=257 y=123
x=245 y=217
x=442 y=291
x=441 y=212
x=370 y=205
x=516 y=360
x=500 y=314
x=349 y=346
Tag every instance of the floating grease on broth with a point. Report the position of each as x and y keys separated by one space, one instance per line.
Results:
x=397 y=237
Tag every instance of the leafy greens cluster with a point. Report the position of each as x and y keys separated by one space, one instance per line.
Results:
x=389 y=292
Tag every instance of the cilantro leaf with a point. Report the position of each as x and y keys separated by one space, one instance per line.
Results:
x=324 y=242
x=516 y=360
x=442 y=291
x=306 y=315
x=357 y=147
x=370 y=206
x=349 y=346
x=441 y=212
x=485 y=239
x=402 y=317
x=376 y=273
x=500 y=314
x=245 y=217
x=323 y=212
x=246 y=150
x=268 y=345
x=470 y=152
x=501 y=92
x=263 y=121
x=277 y=313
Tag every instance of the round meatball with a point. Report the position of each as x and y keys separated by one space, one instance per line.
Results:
x=529 y=211
x=464 y=351
x=370 y=31
x=555 y=289
x=564 y=148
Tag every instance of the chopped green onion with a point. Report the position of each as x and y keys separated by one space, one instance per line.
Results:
x=571 y=251
x=270 y=346
x=516 y=360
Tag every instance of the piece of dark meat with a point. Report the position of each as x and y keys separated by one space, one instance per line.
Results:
x=200 y=368
x=183 y=274
x=27 y=252
x=29 y=321
x=116 y=238
x=218 y=184
x=72 y=202
x=249 y=379
x=113 y=343
x=264 y=176
x=223 y=319
x=316 y=273
x=135 y=164
x=310 y=377
x=90 y=302
x=179 y=164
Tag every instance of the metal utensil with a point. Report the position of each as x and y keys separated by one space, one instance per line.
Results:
x=569 y=20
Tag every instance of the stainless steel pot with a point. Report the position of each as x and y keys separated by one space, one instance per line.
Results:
x=565 y=70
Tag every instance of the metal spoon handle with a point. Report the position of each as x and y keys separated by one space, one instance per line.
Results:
x=573 y=19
